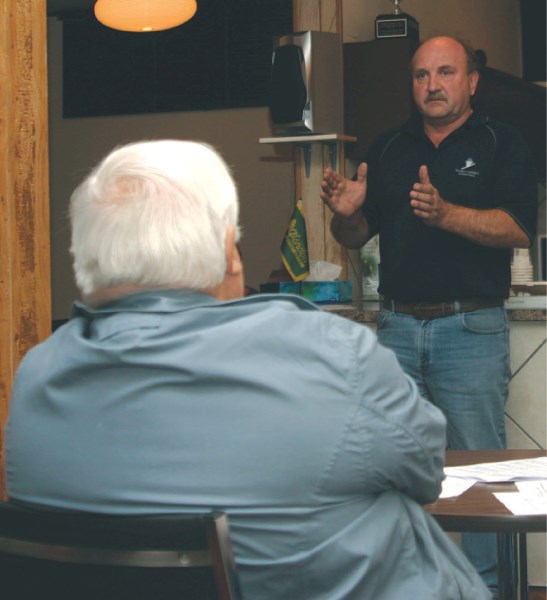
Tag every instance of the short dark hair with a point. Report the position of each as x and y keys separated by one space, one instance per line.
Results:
x=473 y=63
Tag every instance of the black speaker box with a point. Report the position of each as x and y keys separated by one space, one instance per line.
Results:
x=306 y=80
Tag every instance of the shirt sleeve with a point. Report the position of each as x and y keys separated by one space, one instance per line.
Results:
x=371 y=206
x=515 y=184
x=402 y=435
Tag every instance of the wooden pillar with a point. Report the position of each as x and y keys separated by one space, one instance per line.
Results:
x=25 y=298
x=319 y=15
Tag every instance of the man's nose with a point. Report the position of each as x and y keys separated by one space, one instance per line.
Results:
x=433 y=83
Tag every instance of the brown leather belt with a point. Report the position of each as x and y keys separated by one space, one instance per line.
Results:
x=430 y=310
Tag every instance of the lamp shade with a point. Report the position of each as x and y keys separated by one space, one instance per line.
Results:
x=144 y=15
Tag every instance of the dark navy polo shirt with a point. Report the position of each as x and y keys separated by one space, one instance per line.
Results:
x=483 y=164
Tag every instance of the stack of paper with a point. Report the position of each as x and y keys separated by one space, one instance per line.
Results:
x=531 y=499
x=530 y=476
x=504 y=471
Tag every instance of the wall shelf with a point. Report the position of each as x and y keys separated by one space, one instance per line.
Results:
x=305 y=141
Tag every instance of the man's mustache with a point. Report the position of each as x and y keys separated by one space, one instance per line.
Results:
x=435 y=96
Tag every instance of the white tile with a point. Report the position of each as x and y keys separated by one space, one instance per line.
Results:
x=524 y=338
x=516 y=438
x=536 y=544
x=527 y=403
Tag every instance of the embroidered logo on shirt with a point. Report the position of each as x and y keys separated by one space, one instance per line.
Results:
x=466 y=171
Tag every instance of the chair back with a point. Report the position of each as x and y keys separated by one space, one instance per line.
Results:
x=68 y=555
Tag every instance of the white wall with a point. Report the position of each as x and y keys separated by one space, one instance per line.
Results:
x=526 y=411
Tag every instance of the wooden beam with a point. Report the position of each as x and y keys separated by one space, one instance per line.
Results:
x=25 y=296
x=318 y=15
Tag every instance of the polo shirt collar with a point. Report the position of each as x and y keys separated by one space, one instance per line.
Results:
x=414 y=126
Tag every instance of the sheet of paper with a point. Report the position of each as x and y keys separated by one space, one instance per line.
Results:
x=455 y=486
x=508 y=470
x=531 y=499
x=533 y=489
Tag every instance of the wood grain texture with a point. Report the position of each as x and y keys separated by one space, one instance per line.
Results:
x=537 y=593
x=477 y=509
x=318 y=15
x=25 y=296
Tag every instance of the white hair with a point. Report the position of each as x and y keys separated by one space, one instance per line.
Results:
x=153 y=214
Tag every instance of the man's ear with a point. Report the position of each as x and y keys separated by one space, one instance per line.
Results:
x=473 y=82
x=234 y=265
x=232 y=285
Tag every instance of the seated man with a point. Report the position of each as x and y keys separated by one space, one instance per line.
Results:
x=169 y=391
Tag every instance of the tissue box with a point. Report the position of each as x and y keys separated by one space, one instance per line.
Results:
x=326 y=292
x=281 y=287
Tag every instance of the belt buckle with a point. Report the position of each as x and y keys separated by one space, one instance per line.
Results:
x=435 y=311
x=449 y=309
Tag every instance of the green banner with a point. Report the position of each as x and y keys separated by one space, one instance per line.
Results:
x=294 y=248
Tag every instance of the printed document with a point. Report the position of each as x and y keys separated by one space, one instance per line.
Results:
x=504 y=471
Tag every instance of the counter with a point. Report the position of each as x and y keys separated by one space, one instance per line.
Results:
x=532 y=308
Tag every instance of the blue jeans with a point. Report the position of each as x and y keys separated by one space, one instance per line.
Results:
x=461 y=364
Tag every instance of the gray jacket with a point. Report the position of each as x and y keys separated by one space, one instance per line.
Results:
x=294 y=421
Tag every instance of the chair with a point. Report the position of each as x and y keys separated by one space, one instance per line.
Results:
x=87 y=556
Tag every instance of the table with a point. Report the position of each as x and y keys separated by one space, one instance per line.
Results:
x=477 y=509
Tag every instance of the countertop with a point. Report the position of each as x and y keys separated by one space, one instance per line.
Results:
x=525 y=308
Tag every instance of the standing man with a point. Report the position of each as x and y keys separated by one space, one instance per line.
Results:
x=450 y=193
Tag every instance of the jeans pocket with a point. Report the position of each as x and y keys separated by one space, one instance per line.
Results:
x=383 y=318
x=485 y=321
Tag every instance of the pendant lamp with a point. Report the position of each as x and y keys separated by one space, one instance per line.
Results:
x=144 y=15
